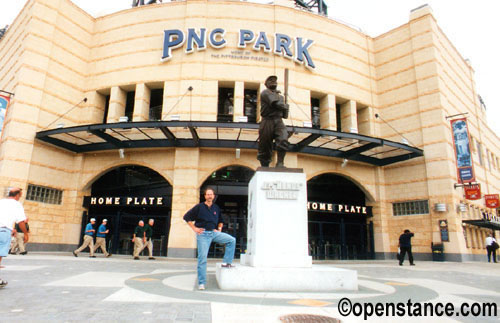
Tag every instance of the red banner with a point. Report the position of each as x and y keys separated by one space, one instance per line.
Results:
x=492 y=200
x=472 y=192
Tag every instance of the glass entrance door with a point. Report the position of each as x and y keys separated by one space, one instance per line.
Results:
x=340 y=240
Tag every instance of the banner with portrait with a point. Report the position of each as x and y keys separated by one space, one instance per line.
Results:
x=4 y=102
x=463 y=155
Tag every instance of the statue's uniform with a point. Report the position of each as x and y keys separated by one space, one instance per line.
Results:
x=271 y=126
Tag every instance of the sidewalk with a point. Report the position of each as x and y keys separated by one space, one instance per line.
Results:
x=59 y=287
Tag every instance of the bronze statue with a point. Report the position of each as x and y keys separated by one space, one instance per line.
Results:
x=272 y=129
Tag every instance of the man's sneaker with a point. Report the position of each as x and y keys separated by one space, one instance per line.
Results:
x=227 y=265
x=74 y=254
x=136 y=258
x=151 y=258
x=91 y=256
x=4 y=283
x=201 y=287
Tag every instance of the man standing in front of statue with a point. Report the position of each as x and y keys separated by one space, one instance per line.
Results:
x=272 y=129
x=205 y=220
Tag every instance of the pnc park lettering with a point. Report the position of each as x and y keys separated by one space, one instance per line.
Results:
x=283 y=45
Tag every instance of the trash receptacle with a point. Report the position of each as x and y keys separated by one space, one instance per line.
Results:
x=437 y=251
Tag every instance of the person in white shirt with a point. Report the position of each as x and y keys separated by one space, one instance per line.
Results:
x=11 y=211
x=491 y=247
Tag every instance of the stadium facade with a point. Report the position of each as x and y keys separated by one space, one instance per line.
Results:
x=129 y=115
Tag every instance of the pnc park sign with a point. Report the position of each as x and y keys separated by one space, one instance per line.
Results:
x=279 y=44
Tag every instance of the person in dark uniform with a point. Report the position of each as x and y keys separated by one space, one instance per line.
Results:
x=139 y=239
x=272 y=129
x=148 y=232
x=206 y=221
x=405 y=246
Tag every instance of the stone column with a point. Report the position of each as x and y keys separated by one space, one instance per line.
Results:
x=348 y=116
x=239 y=90
x=141 y=103
x=117 y=101
x=366 y=121
x=185 y=194
x=95 y=110
x=328 y=112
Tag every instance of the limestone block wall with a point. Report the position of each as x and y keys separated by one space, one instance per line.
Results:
x=423 y=79
x=11 y=51
x=44 y=61
x=125 y=55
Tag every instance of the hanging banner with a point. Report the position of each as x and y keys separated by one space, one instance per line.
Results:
x=4 y=102
x=492 y=200
x=463 y=155
x=472 y=192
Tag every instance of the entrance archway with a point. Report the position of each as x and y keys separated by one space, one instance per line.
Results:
x=338 y=219
x=126 y=195
x=231 y=187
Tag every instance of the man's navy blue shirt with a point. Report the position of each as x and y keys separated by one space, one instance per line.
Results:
x=204 y=217
x=405 y=239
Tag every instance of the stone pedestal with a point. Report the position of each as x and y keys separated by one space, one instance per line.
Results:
x=314 y=279
x=277 y=220
x=277 y=256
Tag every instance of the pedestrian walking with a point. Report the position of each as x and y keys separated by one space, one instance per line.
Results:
x=11 y=211
x=100 y=242
x=148 y=232
x=491 y=247
x=206 y=221
x=405 y=246
x=139 y=239
x=18 y=245
x=88 y=239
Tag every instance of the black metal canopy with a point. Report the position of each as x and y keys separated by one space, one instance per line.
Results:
x=211 y=134
x=483 y=223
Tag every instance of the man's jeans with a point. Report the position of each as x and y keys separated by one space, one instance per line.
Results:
x=204 y=240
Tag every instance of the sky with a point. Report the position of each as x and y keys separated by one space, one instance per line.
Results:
x=471 y=26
